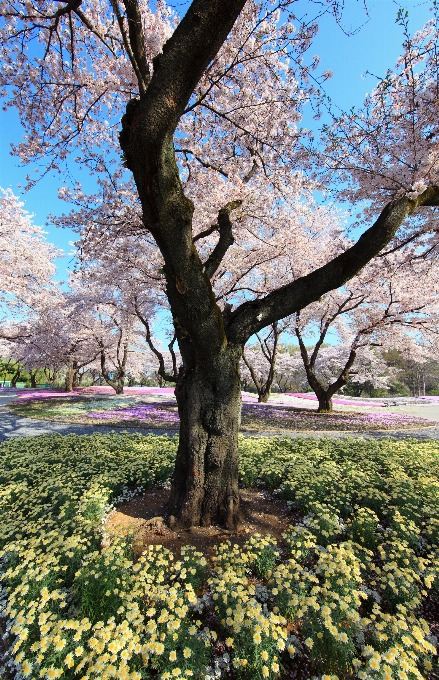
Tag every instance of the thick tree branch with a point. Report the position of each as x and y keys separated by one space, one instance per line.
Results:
x=225 y=238
x=173 y=357
x=205 y=233
x=319 y=343
x=185 y=57
x=303 y=351
x=250 y=317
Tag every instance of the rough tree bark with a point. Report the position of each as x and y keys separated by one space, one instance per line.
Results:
x=205 y=484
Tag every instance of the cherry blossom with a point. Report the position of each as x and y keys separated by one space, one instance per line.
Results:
x=26 y=260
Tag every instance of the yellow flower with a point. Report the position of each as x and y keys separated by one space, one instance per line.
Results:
x=173 y=656
x=69 y=662
x=264 y=655
x=265 y=671
x=257 y=638
x=187 y=652
x=26 y=668
x=309 y=643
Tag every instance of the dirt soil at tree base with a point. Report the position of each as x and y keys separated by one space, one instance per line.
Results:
x=143 y=518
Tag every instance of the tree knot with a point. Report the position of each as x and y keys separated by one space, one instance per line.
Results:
x=181 y=288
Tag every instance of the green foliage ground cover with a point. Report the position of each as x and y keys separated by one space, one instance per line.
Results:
x=345 y=597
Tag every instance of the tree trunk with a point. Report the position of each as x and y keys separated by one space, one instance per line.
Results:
x=205 y=482
x=118 y=381
x=16 y=377
x=70 y=378
x=33 y=379
x=264 y=396
x=118 y=387
x=325 y=402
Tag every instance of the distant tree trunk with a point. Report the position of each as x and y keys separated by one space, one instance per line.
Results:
x=16 y=377
x=50 y=375
x=71 y=376
x=118 y=382
x=324 y=395
x=325 y=403
x=33 y=377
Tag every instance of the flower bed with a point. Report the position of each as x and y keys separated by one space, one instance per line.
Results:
x=265 y=417
x=133 y=411
x=158 y=414
x=348 y=596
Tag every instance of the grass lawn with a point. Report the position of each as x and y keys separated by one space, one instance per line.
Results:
x=350 y=590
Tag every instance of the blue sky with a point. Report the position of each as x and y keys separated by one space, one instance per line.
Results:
x=374 y=47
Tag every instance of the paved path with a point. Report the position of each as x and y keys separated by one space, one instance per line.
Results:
x=17 y=426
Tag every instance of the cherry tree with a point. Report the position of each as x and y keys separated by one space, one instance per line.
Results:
x=57 y=340
x=369 y=366
x=375 y=309
x=260 y=360
x=26 y=260
x=211 y=136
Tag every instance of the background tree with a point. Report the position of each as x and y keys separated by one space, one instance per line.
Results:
x=260 y=360
x=26 y=261
x=375 y=309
